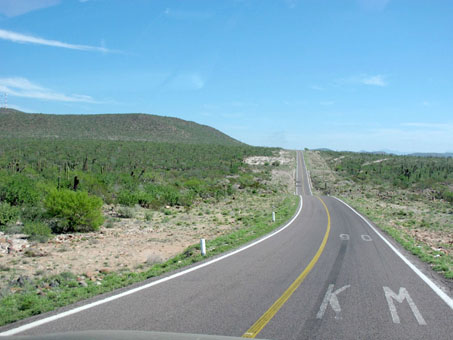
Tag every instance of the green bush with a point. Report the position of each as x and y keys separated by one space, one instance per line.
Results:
x=8 y=213
x=19 y=189
x=37 y=231
x=74 y=211
x=32 y=213
x=127 y=198
x=448 y=195
x=195 y=185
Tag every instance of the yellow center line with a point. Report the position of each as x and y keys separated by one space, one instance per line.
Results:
x=253 y=331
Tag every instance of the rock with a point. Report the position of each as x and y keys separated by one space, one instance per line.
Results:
x=83 y=283
x=16 y=244
x=105 y=270
x=90 y=275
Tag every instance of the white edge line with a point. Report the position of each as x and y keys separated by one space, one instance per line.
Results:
x=154 y=283
x=448 y=300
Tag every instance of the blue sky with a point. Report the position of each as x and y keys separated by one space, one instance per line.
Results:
x=342 y=74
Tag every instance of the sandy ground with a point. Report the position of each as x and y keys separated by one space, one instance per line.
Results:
x=146 y=238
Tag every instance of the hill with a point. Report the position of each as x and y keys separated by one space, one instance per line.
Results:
x=134 y=127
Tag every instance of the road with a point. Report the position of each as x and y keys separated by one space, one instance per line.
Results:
x=326 y=275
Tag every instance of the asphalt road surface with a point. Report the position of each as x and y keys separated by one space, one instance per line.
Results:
x=326 y=275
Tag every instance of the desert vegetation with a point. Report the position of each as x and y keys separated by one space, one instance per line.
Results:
x=64 y=183
x=82 y=217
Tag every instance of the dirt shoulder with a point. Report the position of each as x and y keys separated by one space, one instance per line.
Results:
x=134 y=239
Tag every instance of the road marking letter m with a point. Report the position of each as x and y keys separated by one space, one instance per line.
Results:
x=403 y=294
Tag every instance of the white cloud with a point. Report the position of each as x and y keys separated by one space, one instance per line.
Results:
x=22 y=87
x=377 y=80
x=28 y=39
x=12 y=8
x=364 y=79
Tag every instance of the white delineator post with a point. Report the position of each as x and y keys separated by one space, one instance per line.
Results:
x=203 y=246
x=273 y=216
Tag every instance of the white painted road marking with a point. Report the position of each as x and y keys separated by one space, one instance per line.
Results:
x=331 y=298
x=448 y=300
x=366 y=238
x=403 y=294
x=344 y=237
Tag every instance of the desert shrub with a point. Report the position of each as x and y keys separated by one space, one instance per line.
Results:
x=8 y=214
x=170 y=195
x=32 y=213
x=37 y=231
x=248 y=181
x=126 y=212
x=74 y=211
x=19 y=189
x=187 y=198
x=148 y=216
x=447 y=195
x=127 y=198
x=110 y=223
x=195 y=185
x=148 y=200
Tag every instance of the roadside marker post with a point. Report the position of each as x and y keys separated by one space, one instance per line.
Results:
x=273 y=216
x=203 y=246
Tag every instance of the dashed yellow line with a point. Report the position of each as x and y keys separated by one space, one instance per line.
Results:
x=256 y=328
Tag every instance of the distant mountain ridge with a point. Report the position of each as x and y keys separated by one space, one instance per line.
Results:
x=396 y=153
x=134 y=126
x=431 y=154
